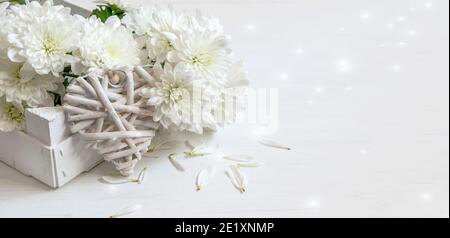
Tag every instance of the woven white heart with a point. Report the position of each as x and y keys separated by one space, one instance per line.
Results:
x=108 y=110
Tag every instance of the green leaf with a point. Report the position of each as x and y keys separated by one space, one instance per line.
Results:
x=103 y=12
x=68 y=73
x=117 y=11
x=66 y=82
x=56 y=99
x=22 y=2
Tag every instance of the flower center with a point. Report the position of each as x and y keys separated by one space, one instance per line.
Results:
x=112 y=52
x=204 y=59
x=13 y=114
x=168 y=45
x=175 y=92
x=50 y=44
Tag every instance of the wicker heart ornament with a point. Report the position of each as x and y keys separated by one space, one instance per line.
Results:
x=108 y=110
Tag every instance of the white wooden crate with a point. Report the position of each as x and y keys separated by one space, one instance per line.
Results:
x=47 y=151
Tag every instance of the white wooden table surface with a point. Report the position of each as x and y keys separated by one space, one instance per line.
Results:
x=363 y=102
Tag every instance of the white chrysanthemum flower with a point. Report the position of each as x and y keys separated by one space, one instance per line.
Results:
x=106 y=46
x=206 y=54
x=205 y=89
x=159 y=26
x=20 y=84
x=12 y=116
x=43 y=36
x=180 y=102
x=122 y=4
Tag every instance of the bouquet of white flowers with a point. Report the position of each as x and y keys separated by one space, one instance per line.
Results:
x=179 y=65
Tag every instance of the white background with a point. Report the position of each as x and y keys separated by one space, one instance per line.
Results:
x=363 y=102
